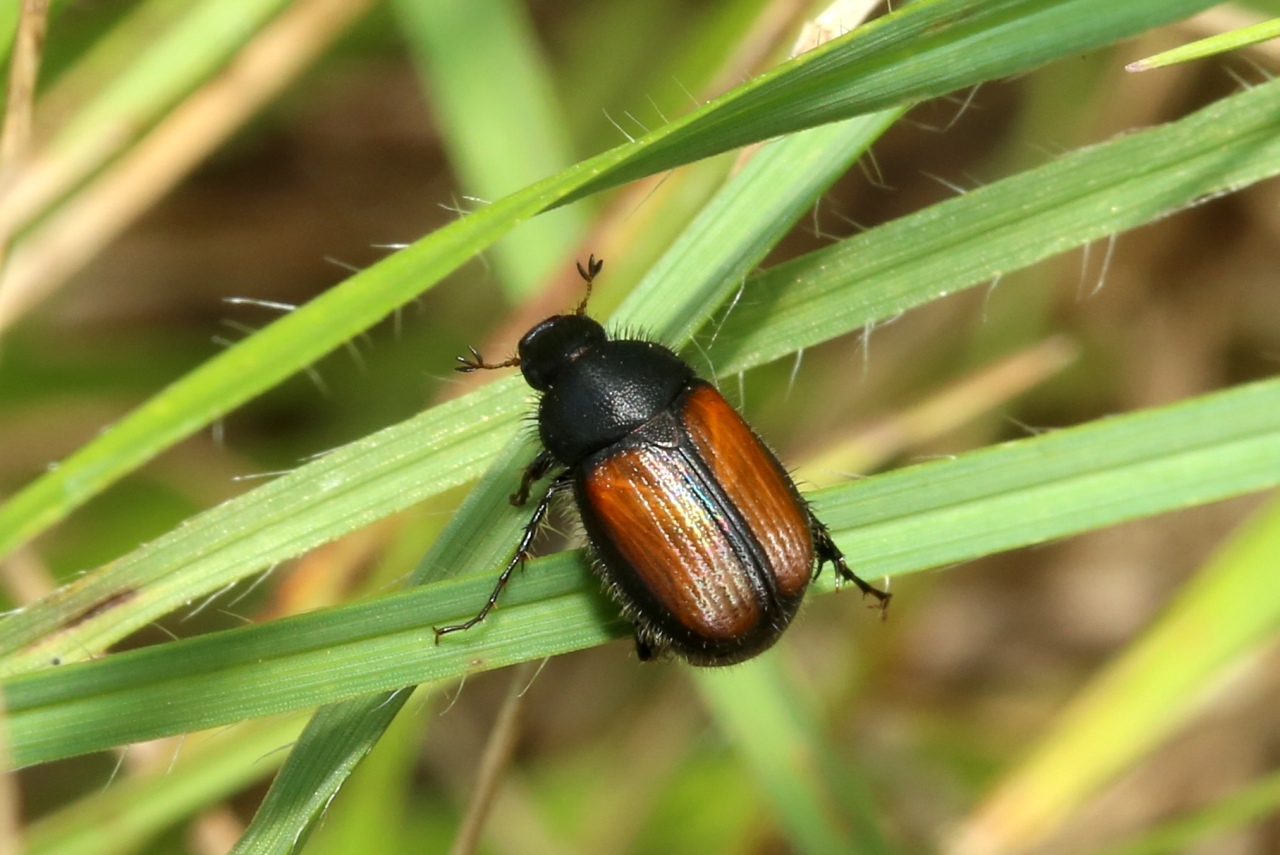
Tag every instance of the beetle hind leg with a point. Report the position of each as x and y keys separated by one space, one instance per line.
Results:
x=826 y=550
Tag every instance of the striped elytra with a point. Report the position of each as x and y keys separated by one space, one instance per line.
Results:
x=701 y=535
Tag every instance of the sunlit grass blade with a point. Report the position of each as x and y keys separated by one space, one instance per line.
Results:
x=8 y=26
x=378 y=801
x=928 y=48
x=69 y=237
x=929 y=515
x=1229 y=612
x=156 y=72
x=341 y=491
x=1031 y=491
x=1000 y=35
x=1251 y=804
x=318 y=763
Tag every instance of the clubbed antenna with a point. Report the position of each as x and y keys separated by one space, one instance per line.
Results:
x=477 y=363
x=588 y=274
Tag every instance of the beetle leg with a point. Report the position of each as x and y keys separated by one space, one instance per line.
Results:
x=644 y=650
x=517 y=560
x=826 y=550
x=535 y=471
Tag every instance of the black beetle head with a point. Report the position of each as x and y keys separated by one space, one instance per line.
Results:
x=551 y=346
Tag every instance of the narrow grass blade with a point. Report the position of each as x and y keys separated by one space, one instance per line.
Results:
x=975 y=238
x=210 y=767
x=160 y=70
x=1252 y=804
x=325 y=755
x=999 y=36
x=1211 y=46
x=341 y=491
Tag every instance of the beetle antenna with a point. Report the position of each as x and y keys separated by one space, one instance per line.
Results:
x=588 y=274
x=477 y=363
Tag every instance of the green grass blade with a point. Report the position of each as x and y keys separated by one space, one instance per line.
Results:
x=1227 y=613
x=1251 y=804
x=925 y=49
x=937 y=513
x=771 y=727
x=208 y=769
x=323 y=757
x=8 y=27
x=160 y=70
x=877 y=66
x=747 y=219
x=1048 y=479
x=375 y=812
x=341 y=491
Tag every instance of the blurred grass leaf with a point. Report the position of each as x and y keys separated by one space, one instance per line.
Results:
x=149 y=73
x=1226 y=614
x=757 y=708
x=490 y=86
x=1252 y=803
x=213 y=767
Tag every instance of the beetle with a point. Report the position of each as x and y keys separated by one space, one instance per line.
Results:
x=698 y=532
